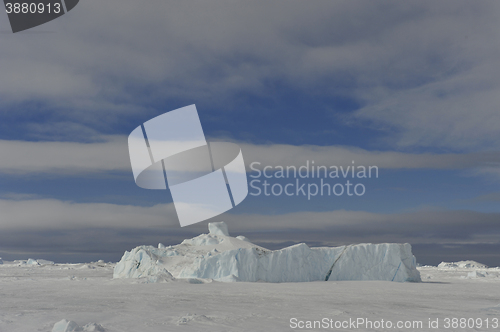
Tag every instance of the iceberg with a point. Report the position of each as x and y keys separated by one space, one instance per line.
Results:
x=220 y=257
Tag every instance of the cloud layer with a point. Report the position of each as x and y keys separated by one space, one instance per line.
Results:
x=110 y=153
x=54 y=227
x=423 y=72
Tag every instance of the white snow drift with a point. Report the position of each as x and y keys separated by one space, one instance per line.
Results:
x=218 y=256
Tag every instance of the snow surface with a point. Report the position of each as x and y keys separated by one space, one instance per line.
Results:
x=218 y=256
x=36 y=297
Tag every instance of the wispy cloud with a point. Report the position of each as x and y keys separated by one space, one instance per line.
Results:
x=54 y=214
x=458 y=112
x=110 y=153
x=68 y=158
x=282 y=154
x=490 y=197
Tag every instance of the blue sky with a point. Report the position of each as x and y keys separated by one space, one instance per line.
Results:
x=411 y=87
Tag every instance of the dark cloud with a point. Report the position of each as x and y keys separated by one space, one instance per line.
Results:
x=427 y=230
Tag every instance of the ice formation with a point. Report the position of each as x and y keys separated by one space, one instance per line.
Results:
x=218 y=256
x=70 y=326
x=33 y=262
x=476 y=274
x=462 y=265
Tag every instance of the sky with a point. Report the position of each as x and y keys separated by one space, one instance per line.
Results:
x=412 y=87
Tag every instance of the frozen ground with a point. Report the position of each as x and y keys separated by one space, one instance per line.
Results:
x=35 y=297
